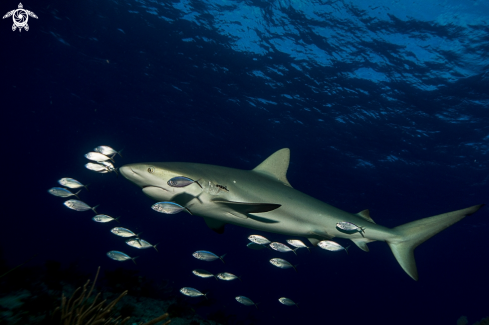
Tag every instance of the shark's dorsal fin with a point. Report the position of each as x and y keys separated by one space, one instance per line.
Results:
x=365 y=214
x=276 y=166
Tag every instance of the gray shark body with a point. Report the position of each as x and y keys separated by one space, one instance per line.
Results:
x=263 y=199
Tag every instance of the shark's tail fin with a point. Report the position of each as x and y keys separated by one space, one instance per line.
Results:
x=410 y=235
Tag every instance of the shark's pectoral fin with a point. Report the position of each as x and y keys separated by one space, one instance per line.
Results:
x=245 y=208
x=217 y=226
x=237 y=215
x=250 y=216
x=361 y=243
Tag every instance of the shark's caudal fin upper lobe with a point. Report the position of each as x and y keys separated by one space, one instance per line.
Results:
x=410 y=235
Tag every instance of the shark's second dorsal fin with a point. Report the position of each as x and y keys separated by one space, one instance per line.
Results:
x=276 y=166
x=365 y=214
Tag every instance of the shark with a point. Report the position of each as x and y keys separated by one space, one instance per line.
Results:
x=263 y=199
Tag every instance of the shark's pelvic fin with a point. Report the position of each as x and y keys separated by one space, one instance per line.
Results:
x=314 y=241
x=365 y=214
x=217 y=226
x=245 y=208
x=361 y=243
x=410 y=235
x=276 y=166
x=319 y=236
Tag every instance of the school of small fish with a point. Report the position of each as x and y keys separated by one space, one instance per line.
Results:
x=100 y=163
x=258 y=242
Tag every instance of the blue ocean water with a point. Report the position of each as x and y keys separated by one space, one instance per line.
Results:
x=384 y=105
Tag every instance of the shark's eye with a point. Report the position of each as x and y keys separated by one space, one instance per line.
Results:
x=151 y=169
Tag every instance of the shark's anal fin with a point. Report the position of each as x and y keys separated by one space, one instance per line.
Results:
x=365 y=214
x=276 y=166
x=245 y=208
x=217 y=226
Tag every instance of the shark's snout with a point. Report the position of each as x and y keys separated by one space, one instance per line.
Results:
x=143 y=175
x=126 y=171
x=132 y=175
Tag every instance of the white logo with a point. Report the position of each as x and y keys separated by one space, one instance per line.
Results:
x=20 y=17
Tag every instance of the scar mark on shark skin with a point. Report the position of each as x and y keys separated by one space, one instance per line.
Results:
x=222 y=187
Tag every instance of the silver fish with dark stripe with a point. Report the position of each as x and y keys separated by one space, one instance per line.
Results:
x=62 y=192
x=78 y=205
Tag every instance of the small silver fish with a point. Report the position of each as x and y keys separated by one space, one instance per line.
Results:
x=108 y=151
x=287 y=302
x=297 y=243
x=97 y=168
x=169 y=208
x=140 y=243
x=207 y=256
x=79 y=206
x=255 y=246
x=228 y=276
x=257 y=239
x=72 y=183
x=332 y=246
x=120 y=256
x=191 y=292
x=245 y=301
x=103 y=218
x=62 y=192
x=203 y=273
x=97 y=156
x=182 y=181
x=123 y=232
x=283 y=264
x=109 y=166
x=348 y=227
x=279 y=247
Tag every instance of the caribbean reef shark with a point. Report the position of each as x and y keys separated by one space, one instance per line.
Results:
x=263 y=199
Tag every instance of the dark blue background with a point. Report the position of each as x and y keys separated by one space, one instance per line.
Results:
x=384 y=106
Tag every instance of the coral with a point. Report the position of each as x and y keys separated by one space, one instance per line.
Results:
x=79 y=311
x=484 y=321
x=462 y=320
x=131 y=281
x=221 y=317
x=180 y=309
x=127 y=310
